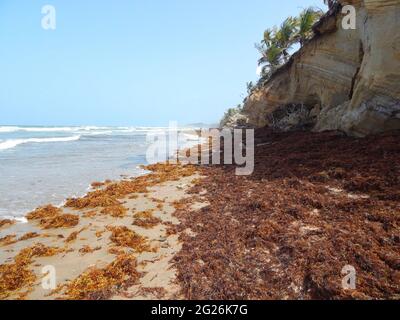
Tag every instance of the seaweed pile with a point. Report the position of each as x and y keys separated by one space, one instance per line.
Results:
x=124 y=237
x=108 y=197
x=116 y=251
x=72 y=237
x=315 y=203
x=61 y=221
x=28 y=235
x=43 y=213
x=9 y=239
x=96 y=185
x=12 y=238
x=88 y=249
x=50 y=217
x=101 y=284
x=17 y=276
x=6 y=222
x=117 y=211
x=148 y=223
x=146 y=220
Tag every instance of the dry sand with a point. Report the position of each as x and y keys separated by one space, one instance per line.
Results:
x=157 y=277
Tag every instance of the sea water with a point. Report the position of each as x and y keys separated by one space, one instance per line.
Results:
x=41 y=165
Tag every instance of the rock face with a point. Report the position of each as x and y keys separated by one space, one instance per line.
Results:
x=237 y=120
x=349 y=78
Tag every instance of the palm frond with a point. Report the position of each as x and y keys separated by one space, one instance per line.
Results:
x=305 y=22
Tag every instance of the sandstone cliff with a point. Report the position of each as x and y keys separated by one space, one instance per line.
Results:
x=349 y=79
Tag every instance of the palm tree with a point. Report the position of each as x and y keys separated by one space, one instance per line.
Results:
x=250 y=87
x=284 y=37
x=308 y=17
x=276 y=43
x=268 y=36
x=271 y=59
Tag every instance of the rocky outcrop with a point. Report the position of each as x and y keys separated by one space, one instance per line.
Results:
x=350 y=79
x=237 y=120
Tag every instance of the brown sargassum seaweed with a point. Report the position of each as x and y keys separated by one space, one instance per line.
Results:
x=95 y=283
x=50 y=217
x=29 y=235
x=315 y=203
x=72 y=237
x=124 y=237
x=117 y=211
x=6 y=222
x=146 y=220
x=102 y=283
x=88 y=249
x=17 y=276
x=148 y=223
x=108 y=197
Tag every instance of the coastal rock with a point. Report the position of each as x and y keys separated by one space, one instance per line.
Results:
x=349 y=78
x=237 y=120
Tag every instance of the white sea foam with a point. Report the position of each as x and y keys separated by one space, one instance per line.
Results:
x=88 y=129
x=99 y=133
x=12 y=143
x=75 y=183
x=8 y=129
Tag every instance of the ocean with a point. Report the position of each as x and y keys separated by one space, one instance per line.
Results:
x=41 y=165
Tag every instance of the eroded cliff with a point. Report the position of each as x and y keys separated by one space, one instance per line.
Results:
x=349 y=79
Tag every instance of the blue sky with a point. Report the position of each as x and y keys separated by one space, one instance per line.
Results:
x=129 y=62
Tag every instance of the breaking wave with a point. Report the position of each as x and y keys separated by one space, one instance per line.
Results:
x=8 y=129
x=12 y=143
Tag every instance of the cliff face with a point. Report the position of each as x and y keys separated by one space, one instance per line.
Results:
x=349 y=78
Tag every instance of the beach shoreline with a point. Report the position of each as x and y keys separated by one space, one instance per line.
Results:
x=315 y=204
x=83 y=246
x=49 y=167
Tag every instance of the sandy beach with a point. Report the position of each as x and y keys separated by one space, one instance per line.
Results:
x=315 y=204
x=200 y=158
x=86 y=246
